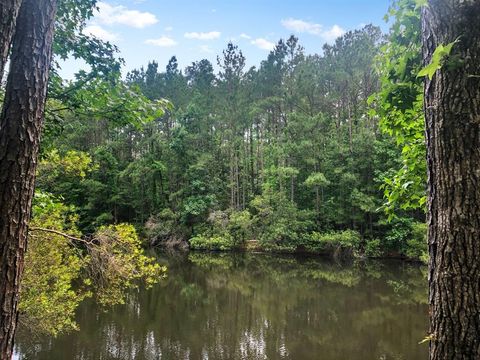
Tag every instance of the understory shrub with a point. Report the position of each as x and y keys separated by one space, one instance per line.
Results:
x=215 y=242
x=372 y=248
x=279 y=224
x=165 y=229
x=395 y=239
x=224 y=230
x=336 y=243
x=240 y=226
x=407 y=237
x=417 y=245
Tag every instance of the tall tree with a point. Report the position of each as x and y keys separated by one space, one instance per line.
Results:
x=8 y=17
x=20 y=127
x=231 y=78
x=452 y=114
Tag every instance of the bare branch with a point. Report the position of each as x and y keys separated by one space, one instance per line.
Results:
x=70 y=237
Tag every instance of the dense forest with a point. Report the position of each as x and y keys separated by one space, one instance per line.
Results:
x=291 y=153
x=304 y=153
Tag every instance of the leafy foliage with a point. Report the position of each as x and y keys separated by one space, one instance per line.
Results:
x=399 y=103
x=278 y=221
x=282 y=150
x=438 y=58
x=62 y=269
x=202 y=242
x=333 y=242
x=117 y=262
x=52 y=282
x=418 y=243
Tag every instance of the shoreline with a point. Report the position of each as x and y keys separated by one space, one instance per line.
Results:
x=258 y=249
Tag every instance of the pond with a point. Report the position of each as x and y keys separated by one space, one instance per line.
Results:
x=255 y=306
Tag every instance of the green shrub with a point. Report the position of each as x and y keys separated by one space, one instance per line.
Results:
x=279 y=224
x=395 y=239
x=216 y=242
x=165 y=229
x=224 y=230
x=417 y=245
x=372 y=248
x=332 y=242
x=407 y=237
x=240 y=226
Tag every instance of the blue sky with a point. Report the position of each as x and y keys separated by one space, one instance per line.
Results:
x=146 y=30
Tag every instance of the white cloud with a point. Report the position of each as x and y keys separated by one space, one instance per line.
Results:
x=334 y=32
x=169 y=28
x=301 y=26
x=100 y=33
x=163 y=41
x=203 y=35
x=263 y=44
x=110 y=15
x=245 y=36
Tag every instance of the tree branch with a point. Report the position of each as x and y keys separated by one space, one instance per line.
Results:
x=56 y=232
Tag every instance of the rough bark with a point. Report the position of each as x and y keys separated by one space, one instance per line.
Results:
x=20 y=127
x=8 y=16
x=452 y=114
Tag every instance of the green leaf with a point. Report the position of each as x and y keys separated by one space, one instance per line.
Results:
x=429 y=71
x=420 y=3
x=440 y=53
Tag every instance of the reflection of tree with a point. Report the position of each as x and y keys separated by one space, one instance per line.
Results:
x=244 y=306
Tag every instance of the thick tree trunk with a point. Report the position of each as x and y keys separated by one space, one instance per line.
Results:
x=20 y=127
x=452 y=113
x=8 y=16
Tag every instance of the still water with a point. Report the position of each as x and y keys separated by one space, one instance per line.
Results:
x=255 y=306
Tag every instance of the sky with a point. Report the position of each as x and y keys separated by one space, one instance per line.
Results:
x=146 y=30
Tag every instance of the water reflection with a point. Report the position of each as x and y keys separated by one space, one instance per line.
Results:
x=247 y=306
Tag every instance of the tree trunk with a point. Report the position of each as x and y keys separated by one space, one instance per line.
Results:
x=350 y=128
x=292 y=189
x=452 y=115
x=237 y=179
x=232 y=180
x=8 y=17
x=20 y=127
x=252 y=163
